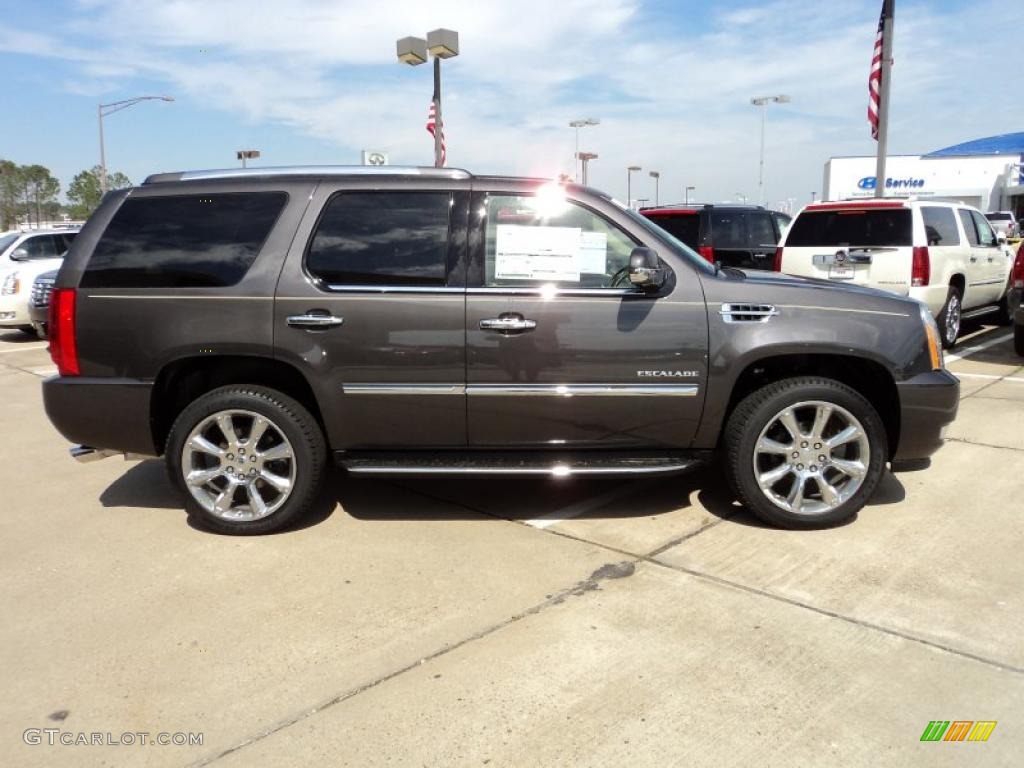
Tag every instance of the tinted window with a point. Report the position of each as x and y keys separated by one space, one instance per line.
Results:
x=382 y=238
x=727 y=229
x=685 y=227
x=41 y=247
x=760 y=230
x=998 y=216
x=186 y=241
x=64 y=240
x=886 y=227
x=940 y=226
x=968 y=222
x=532 y=240
x=6 y=240
x=986 y=237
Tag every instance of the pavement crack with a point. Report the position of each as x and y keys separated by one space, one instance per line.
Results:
x=983 y=445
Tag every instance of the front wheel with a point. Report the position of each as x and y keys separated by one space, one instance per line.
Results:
x=805 y=452
x=247 y=459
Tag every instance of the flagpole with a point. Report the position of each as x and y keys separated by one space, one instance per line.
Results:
x=438 y=126
x=884 y=85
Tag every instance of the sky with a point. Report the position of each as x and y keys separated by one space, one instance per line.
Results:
x=317 y=81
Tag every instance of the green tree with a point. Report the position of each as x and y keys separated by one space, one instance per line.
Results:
x=84 y=192
x=41 y=189
x=11 y=189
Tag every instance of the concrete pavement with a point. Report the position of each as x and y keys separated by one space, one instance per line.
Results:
x=512 y=623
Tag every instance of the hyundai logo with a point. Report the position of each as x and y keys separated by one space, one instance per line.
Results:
x=868 y=182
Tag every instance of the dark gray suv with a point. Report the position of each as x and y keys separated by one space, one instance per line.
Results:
x=249 y=324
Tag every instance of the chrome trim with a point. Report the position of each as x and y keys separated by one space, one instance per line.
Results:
x=747 y=313
x=507 y=324
x=86 y=454
x=553 y=291
x=391 y=289
x=403 y=389
x=572 y=390
x=333 y=171
x=314 y=321
x=843 y=309
x=555 y=470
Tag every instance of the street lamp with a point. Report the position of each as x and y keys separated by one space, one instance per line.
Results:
x=247 y=154
x=641 y=200
x=763 y=102
x=577 y=124
x=629 y=184
x=656 y=175
x=585 y=157
x=444 y=44
x=740 y=197
x=108 y=109
x=686 y=194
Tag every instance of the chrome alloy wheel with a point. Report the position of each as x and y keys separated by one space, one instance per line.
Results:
x=952 y=323
x=238 y=465
x=811 y=457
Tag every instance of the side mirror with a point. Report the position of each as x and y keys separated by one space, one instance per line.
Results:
x=645 y=270
x=1001 y=238
x=19 y=254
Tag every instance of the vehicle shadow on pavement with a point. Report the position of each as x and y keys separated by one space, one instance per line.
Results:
x=18 y=337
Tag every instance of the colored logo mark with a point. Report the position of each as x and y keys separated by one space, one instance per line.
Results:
x=958 y=730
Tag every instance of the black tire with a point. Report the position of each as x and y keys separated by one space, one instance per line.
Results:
x=28 y=330
x=1004 y=316
x=758 y=410
x=1018 y=339
x=289 y=418
x=948 y=329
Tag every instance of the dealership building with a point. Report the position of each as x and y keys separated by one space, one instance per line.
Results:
x=986 y=173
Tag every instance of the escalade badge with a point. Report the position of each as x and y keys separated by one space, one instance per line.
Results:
x=668 y=374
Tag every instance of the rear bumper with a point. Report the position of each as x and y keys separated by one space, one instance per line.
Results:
x=928 y=404
x=105 y=413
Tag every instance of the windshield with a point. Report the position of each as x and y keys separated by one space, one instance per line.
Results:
x=7 y=240
x=853 y=226
x=681 y=248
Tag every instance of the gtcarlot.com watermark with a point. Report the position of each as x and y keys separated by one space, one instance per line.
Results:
x=56 y=736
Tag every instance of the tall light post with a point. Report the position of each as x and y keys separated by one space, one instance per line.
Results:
x=763 y=102
x=247 y=154
x=741 y=198
x=585 y=157
x=656 y=175
x=629 y=184
x=577 y=124
x=443 y=44
x=108 y=109
x=686 y=194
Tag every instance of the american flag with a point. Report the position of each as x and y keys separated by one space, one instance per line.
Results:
x=875 y=78
x=432 y=126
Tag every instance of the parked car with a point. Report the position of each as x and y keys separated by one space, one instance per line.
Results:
x=731 y=235
x=1015 y=301
x=39 y=302
x=943 y=254
x=1004 y=222
x=247 y=324
x=26 y=256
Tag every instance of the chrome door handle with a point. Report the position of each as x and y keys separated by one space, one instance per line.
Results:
x=507 y=324
x=314 y=321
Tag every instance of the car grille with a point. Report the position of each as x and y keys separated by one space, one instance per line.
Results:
x=41 y=290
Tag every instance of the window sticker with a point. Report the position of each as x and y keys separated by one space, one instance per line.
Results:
x=537 y=253
x=593 y=253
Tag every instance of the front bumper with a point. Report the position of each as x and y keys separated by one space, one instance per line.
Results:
x=106 y=413
x=928 y=404
x=14 y=311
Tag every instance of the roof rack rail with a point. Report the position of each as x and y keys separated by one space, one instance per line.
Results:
x=309 y=170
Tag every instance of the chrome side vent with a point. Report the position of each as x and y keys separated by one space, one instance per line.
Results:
x=748 y=313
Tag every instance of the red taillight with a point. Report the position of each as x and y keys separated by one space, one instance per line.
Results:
x=1017 y=276
x=707 y=252
x=777 y=263
x=61 y=319
x=921 y=267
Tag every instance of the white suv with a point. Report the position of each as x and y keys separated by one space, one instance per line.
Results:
x=943 y=254
x=23 y=257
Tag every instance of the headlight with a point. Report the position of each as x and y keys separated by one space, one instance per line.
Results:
x=931 y=331
x=11 y=284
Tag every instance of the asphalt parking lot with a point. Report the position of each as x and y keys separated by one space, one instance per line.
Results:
x=515 y=623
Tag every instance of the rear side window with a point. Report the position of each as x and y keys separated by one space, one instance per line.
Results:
x=760 y=230
x=986 y=237
x=940 y=225
x=685 y=227
x=855 y=226
x=382 y=238
x=969 y=228
x=727 y=229
x=187 y=241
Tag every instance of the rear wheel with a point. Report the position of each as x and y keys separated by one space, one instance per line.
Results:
x=949 y=317
x=247 y=459
x=805 y=452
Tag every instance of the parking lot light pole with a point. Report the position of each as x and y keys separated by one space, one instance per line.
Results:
x=585 y=157
x=656 y=175
x=247 y=154
x=686 y=194
x=443 y=44
x=108 y=109
x=763 y=102
x=577 y=124
x=629 y=184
